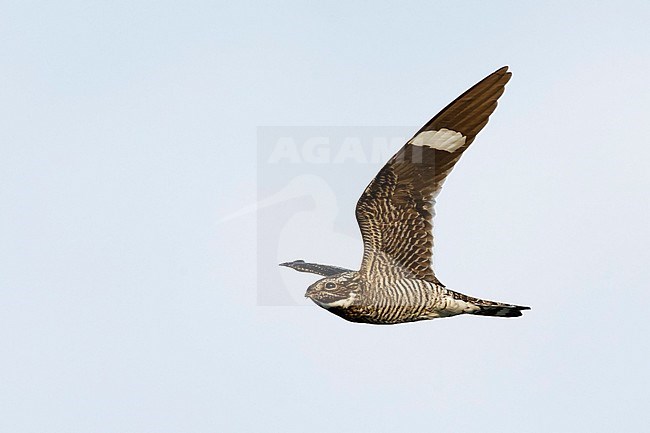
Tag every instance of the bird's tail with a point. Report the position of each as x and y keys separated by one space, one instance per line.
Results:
x=500 y=310
x=491 y=308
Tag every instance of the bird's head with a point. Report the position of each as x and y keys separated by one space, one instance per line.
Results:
x=336 y=291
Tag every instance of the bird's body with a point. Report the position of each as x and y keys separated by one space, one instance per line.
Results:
x=396 y=283
x=391 y=298
x=389 y=302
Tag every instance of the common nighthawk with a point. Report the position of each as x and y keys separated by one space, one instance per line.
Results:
x=396 y=282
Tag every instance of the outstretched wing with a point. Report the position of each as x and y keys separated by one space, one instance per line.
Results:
x=315 y=268
x=395 y=211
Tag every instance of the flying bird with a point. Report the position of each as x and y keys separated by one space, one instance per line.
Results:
x=396 y=282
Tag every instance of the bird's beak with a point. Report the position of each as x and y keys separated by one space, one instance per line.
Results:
x=310 y=291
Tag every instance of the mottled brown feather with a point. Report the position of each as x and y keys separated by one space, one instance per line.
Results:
x=395 y=211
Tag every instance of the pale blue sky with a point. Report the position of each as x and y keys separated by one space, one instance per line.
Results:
x=128 y=131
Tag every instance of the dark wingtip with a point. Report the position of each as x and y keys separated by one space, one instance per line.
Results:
x=504 y=72
x=289 y=264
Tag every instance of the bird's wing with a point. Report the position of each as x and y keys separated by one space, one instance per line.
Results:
x=315 y=268
x=395 y=211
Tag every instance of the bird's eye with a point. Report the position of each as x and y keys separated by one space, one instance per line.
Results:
x=330 y=285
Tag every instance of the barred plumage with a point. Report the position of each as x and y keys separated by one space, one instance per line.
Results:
x=396 y=282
